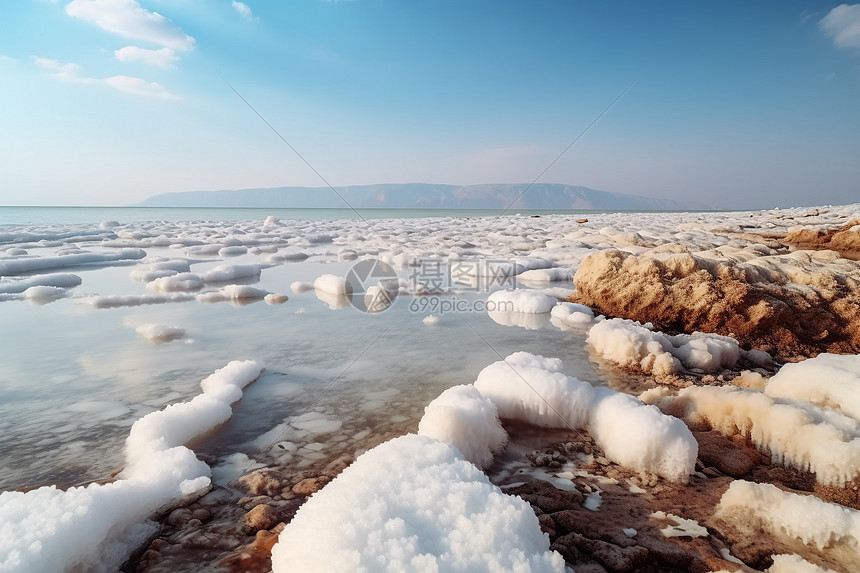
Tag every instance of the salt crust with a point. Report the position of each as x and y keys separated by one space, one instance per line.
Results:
x=97 y=526
x=753 y=506
x=797 y=433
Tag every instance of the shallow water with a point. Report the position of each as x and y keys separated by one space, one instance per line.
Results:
x=73 y=378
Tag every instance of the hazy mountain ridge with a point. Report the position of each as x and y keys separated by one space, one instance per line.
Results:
x=420 y=196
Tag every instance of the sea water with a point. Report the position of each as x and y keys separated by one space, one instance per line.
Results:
x=74 y=378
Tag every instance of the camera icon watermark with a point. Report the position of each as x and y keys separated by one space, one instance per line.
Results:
x=372 y=285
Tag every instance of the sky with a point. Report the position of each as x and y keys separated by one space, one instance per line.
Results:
x=734 y=104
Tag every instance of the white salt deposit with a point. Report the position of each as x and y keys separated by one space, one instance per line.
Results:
x=159 y=333
x=795 y=434
x=58 y=280
x=795 y=564
x=228 y=273
x=534 y=389
x=20 y=266
x=569 y=314
x=521 y=300
x=331 y=284
x=753 y=506
x=94 y=528
x=632 y=344
x=828 y=380
x=679 y=526
x=234 y=294
x=181 y=282
x=400 y=507
x=560 y=274
x=464 y=418
x=45 y=293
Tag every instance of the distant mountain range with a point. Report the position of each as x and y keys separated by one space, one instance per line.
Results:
x=421 y=196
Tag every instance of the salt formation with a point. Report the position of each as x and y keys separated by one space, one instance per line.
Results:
x=631 y=344
x=798 y=303
x=828 y=380
x=159 y=333
x=413 y=504
x=752 y=507
x=96 y=527
x=534 y=389
x=464 y=418
x=795 y=433
x=521 y=300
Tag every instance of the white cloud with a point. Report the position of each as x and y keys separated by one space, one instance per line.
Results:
x=140 y=87
x=243 y=9
x=843 y=25
x=73 y=72
x=64 y=71
x=128 y=19
x=163 y=58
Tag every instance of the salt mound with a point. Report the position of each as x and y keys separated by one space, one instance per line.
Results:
x=632 y=344
x=800 y=303
x=462 y=417
x=413 y=504
x=533 y=389
x=521 y=300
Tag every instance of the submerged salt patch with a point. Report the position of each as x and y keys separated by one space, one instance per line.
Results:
x=533 y=389
x=95 y=528
x=753 y=507
x=462 y=417
x=400 y=507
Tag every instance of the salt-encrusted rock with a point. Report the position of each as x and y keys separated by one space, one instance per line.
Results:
x=261 y=482
x=801 y=303
x=262 y=517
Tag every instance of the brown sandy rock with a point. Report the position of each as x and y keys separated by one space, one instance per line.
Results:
x=801 y=303
x=310 y=485
x=262 y=517
x=261 y=482
x=844 y=240
x=725 y=454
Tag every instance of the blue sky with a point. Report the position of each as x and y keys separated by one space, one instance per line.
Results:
x=735 y=104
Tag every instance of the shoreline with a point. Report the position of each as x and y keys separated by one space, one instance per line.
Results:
x=563 y=252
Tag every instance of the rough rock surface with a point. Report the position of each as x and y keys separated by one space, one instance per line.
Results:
x=844 y=240
x=789 y=304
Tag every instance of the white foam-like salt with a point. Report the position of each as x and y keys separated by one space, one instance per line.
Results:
x=94 y=528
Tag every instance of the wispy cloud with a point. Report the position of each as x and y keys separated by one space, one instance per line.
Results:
x=71 y=72
x=139 y=87
x=61 y=70
x=163 y=58
x=243 y=9
x=843 y=25
x=129 y=19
